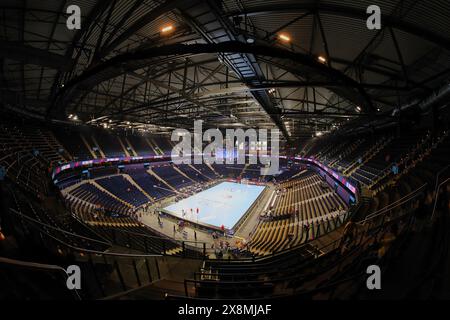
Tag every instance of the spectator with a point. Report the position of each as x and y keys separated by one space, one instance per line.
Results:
x=290 y=236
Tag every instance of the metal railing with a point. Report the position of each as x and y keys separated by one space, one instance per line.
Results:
x=165 y=243
x=396 y=203
x=373 y=228
x=19 y=270
x=437 y=196
x=124 y=270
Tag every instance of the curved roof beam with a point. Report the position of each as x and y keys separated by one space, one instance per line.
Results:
x=348 y=87
x=139 y=24
x=344 y=11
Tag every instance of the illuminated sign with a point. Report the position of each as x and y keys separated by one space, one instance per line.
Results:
x=75 y=164
x=335 y=175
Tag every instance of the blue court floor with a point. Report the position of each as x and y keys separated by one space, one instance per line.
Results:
x=220 y=205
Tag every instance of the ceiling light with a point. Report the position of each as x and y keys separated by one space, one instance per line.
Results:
x=167 y=28
x=322 y=59
x=284 y=37
x=358 y=108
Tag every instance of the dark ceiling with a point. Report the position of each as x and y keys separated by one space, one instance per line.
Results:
x=223 y=61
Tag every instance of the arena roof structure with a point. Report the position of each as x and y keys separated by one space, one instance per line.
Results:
x=301 y=66
x=105 y=193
